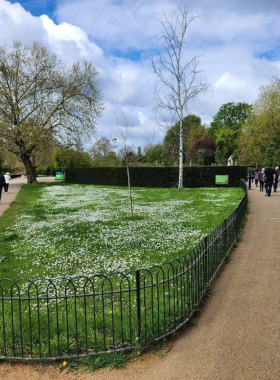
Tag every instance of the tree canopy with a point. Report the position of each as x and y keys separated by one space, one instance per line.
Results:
x=263 y=127
x=102 y=153
x=70 y=158
x=42 y=101
x=203 y=150
x=231 y=116
x=227 y=125
x=192 y=130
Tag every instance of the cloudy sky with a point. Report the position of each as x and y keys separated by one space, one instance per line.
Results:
x=239 y=39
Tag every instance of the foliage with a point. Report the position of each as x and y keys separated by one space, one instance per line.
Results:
x=199 y=158
x=2 y=163
x=227 y=125
x=157 y=155
x=230 y=115
x=229 y=141
x=263 y=126
x=9 y=162
x=235 y=157
x=196 y=132
x=191 y=130
x=270 y=154
x=128 y=155
x=155 y=176
x=42 y=101
x=102 y=153
x=114 y=360
x=203 y=150
x=69 y=158
x=220 y=152
x=253 y=141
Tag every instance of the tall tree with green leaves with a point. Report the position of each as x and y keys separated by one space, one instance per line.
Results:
x=220 y=154
x=180 y=81
x=203 y=151
x=70 y=158
x=156 y=155
x=263 y=126
x=271 y=154
x=43 y=100
x=192 y=131
x=227 y=124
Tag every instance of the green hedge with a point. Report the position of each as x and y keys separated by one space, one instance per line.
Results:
x=156 y=176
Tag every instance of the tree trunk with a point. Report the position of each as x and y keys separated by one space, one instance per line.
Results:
x=180 y=181
x=30 y=169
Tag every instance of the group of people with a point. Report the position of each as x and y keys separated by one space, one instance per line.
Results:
x=266 y=178
x=4 y=183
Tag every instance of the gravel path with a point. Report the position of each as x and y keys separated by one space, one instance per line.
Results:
x=237 y=334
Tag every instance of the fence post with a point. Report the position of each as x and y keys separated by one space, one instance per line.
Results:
x=206 y=275
x=138 y=303
x=225 y=237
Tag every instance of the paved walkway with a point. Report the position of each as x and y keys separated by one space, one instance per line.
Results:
x=237 y=335
x=14 y=187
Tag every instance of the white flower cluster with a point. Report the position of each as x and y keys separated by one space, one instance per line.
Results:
x=79 y=230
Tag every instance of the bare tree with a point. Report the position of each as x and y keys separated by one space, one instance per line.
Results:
x=43 y=100
x=179 y=78
x=126 y=152
x=121 y=144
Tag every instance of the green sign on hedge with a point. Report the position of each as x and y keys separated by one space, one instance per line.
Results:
x=221 y=179
x=59 y=175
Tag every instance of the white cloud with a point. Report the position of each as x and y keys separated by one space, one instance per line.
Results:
x=17 y=24
x=240 y=40
x=57 y=34
x=142 y=118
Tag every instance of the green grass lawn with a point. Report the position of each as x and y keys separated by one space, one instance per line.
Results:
x=67 y=230
x=55 y=231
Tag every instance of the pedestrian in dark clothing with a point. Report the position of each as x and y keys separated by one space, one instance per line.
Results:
x=2 y=184
x=269 y=179
x=276 y=179
x=261 y=179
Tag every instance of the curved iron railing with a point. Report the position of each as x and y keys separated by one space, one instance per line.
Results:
x=61 y=318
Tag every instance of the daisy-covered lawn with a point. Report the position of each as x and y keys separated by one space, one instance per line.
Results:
x=79 y=230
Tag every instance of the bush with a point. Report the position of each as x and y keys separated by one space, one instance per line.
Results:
x=156 y=176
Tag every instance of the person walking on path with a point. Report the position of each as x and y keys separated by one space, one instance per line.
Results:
x=14 y=188
x=256 y=177
x=269 y=174
x=261 y=179
x=253 y=174
x=2 y=184
x=7 y=180
x=276 y=179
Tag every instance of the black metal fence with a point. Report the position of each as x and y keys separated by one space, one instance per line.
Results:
x=68 y=318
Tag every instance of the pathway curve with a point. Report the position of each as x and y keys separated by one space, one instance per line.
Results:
x=237 y=334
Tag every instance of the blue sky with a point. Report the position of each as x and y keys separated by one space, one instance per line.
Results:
x=240 y=40
x=38 y=7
